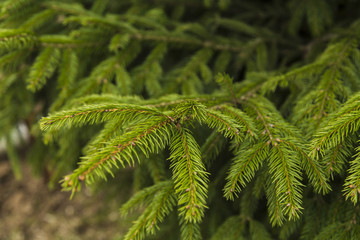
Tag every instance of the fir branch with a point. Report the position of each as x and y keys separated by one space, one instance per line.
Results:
x=119 y=41
x=336 y=158
x=275 y=207
x=112 y=128
x=102 y=22
x=105 y=98
x=318 y=15
x=298 y=74
x=127 y=55
x=150 y=21
x=306 y=112
x=269 y=120
x=263 y=115
x=64 y=41
x=241 y=117
x=10 y=60
x=248 y=87
x=352 y=182
x=313 y=169
x=286 y=172
x=189 y=175
x=173 y=100
x=187 y=77
x=332 y=231
x=10 y=6
x=123 y=80
x=283 y=154
x=222 y=61
x=95 y=114
x=244 y=28
x=330 y=85
x=331 y=60
x=68 y=69
x=244 y=165
x=337 y=128
x=43 y=68
x=350 y=74
x=150 y=71
x=147 y=137
x=194 y=29
x=330 y=92
x=225 y=82
x=38 y=19
x=68 y=8
x=189 y=230
x=160 y=199
x=99 y=6
x=224 y=124
x=190 y=109
x=103 y=73
x=152 y=83
x=206 y=73
x=16 y=39
x=332 y=160
x=162 y=49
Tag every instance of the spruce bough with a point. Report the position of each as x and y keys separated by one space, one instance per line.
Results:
x=238 y=120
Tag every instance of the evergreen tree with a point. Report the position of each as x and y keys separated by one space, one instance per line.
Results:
x=237 y=119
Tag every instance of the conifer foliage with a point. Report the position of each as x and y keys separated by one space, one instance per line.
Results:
x=238 y=119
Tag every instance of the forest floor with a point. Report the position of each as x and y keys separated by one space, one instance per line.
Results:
x=30 y=211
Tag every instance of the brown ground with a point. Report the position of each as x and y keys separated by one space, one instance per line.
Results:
x=29 y=210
